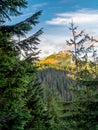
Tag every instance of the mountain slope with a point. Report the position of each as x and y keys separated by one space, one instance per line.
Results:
x=53 y=73
x=61 y=59
x=56 y=80
x=57 y=72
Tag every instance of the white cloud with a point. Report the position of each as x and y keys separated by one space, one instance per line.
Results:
x=83 y=16
x=52 y=43
x=55 y=43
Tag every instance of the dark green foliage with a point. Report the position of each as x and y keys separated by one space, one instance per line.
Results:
x=16 y=88
x=39 y=119
x=56 y=80
x=21 y=99
x=11 y=8
x=17 y=77
x=82 y=113
x=55 y=109
x=14 y=81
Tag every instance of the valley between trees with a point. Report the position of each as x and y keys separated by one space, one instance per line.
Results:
x=59 y=92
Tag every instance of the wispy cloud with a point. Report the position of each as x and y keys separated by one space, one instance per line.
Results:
x=87 y=19
x=52 y=43
x=36 y=6
x=55 y=43
x=80 y=17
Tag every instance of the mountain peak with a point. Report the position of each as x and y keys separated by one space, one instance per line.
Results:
x=64 y=53
x=62 y=59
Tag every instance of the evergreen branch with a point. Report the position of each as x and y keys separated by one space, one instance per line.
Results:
x=69 y=43
x=80 y=34
x=27 y=47
x=20 y=29
x=29 y=42
x=11 y=8
x=4 y=14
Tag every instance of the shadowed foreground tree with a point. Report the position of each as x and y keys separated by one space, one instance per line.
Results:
x=21 y=97
x=17 y=77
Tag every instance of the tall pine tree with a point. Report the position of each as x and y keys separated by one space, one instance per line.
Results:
x=17 y=77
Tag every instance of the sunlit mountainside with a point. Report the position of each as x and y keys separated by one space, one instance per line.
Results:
x=57 y=72
x=54 y=71
x=60 y=59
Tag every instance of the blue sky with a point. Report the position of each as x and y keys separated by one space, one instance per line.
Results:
x=55 y=19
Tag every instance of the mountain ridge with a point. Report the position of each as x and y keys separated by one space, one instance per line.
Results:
x=60 y=59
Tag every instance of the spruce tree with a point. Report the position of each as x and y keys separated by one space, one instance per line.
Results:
x=17 y=77
x=78 y=41
x=81 y=113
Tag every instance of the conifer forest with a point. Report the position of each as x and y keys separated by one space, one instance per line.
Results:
x=58 y=92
